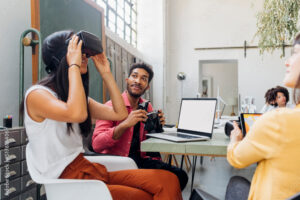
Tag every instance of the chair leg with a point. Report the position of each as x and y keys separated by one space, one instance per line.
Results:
x=166 y=157
x=175 y=161
x=187 y=163
x=189 y=160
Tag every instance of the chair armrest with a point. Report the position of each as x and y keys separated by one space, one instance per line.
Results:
x=113 y=163
x=74 y=189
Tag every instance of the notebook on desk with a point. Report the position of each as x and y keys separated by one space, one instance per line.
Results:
x=195 y=123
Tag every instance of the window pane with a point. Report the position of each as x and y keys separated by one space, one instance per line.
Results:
x=127 y=19
x=127 y=8
x=120 y=3
x=120 y=11
x=120 y=24
x=112 y=16
x=133 y=16
x=133 y=36
x=127 y=31
x=120 y=33
x=102 y=5
x=112 y=4
x=112 y=26
x=134 y=5
x=133 y=25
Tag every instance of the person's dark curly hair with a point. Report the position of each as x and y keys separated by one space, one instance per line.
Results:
x=284 y=91
x=270 y=96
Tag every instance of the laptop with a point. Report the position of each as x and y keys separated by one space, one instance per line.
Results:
x=195 y=123
x=247 y=120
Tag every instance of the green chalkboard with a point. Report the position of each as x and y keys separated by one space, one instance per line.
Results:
x=56 y=15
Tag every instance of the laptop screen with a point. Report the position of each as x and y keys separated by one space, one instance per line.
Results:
x=197 y=115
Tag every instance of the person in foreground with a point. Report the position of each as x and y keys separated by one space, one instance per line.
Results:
x=274 y=143
x=58 y=113
x=124 y=138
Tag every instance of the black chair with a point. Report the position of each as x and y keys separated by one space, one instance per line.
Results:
x=295 y=197
x=199 y=194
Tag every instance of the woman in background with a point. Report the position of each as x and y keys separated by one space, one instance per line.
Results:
x=58 y=113
x=274 y=143
x=270 y=98
x=276 y=98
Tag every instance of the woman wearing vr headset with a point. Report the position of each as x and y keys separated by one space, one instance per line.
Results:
x=58 y=113
x=274 y=143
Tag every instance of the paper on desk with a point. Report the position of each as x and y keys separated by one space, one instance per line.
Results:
x=226 y=117
x=170 y=129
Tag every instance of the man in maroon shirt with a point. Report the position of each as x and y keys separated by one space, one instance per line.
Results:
x=123 y=138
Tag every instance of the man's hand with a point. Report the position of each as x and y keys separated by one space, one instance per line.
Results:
x=236 y=134
x=134 y=117
x=161 y=117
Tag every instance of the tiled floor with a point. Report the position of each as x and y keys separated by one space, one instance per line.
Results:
x=214 y=175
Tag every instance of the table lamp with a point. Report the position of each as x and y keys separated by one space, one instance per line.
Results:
x=232 y=101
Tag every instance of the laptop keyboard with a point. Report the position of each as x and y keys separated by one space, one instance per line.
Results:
x=182 y=135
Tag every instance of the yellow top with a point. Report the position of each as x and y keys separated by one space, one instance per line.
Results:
x=273 y=142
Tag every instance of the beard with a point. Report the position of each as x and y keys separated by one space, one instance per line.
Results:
x=135 y=95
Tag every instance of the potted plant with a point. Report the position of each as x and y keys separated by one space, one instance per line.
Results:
x=277 y=24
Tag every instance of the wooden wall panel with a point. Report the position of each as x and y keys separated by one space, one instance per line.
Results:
x=119 y=71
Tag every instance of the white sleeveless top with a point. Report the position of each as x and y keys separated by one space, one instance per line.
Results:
x=51 y=147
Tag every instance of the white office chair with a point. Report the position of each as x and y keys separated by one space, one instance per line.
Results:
x=75 y=189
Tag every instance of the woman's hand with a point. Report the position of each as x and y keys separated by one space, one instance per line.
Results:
x=101 y=63
x=74 y=51
x=236 y=134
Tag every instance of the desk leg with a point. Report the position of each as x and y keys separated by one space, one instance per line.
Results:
x=201 y=160
x=181 y=163
x=193 y=171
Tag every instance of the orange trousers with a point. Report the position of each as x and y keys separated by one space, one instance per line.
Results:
x=135 y=184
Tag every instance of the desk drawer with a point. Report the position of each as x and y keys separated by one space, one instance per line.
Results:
x=14 y=188
x=14 y=171
x=27 y=183
x=29 y=195
x=14 y=155
x=13 y=138
x=24 y=169
x=24 y=138
x=23 y=152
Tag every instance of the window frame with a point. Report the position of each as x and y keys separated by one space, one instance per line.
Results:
x=111 y=11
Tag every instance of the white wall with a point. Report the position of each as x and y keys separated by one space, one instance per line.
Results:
x=201 y=23
x=14 y=19
x=151 y=44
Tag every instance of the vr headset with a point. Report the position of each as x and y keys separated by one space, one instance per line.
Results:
x=91 y=44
